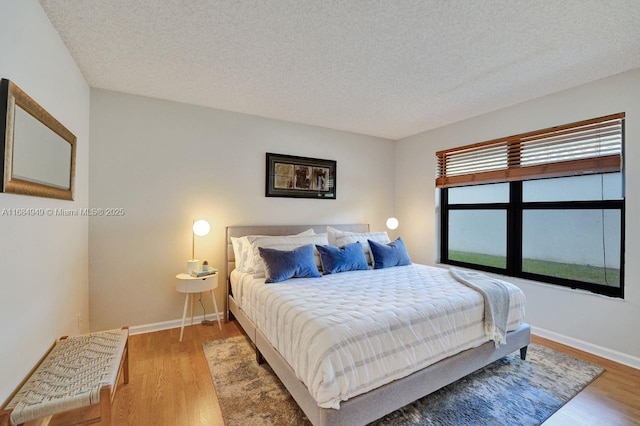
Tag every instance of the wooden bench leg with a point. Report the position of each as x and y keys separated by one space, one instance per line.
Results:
x=5 y=418
x=125 y=364
x=105 y=406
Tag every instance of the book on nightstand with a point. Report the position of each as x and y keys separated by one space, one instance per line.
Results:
x=199 y=273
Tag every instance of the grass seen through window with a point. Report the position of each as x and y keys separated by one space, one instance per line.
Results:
x=587 y=273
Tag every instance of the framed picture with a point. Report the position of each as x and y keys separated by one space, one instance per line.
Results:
x=37 y=153
x=300 y=177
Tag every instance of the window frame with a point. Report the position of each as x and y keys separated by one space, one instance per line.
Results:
x=514 y=211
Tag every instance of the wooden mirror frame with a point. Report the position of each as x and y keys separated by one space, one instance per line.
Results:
x=10 y=96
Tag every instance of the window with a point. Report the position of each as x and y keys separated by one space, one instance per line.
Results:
x=546 y=205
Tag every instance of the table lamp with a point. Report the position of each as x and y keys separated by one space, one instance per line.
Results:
x=200 y=228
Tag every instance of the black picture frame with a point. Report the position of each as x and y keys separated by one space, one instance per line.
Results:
x=290 y=176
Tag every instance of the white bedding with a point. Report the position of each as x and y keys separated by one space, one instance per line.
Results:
x=345 y=334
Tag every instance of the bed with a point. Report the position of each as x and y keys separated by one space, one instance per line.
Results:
x=328 y=314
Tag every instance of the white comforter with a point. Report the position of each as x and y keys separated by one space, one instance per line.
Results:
x=348 y=333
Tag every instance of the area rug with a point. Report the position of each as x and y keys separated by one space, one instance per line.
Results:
x=507 y=392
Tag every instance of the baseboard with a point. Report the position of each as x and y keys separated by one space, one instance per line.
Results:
x=166 y=325
x=603 y=352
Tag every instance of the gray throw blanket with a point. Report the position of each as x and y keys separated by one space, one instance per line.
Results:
x=496 y=302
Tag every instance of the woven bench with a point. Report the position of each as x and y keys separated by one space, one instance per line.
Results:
x=78 y=377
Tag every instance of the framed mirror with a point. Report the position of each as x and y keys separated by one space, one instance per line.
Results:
x=38 y=152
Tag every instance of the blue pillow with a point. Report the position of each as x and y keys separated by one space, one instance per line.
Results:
x=281 y=265
x=388 y=255
x=343 y=259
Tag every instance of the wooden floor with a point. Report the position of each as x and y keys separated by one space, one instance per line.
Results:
x=170 y=384
x=613 y=399
x=169 y=381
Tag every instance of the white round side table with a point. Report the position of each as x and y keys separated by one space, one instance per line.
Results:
x=192 y=285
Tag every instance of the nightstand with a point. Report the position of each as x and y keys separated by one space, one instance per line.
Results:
x=192 y=285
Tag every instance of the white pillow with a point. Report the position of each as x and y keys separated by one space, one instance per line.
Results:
x=244 y=253
x=282 y=242
x=341 y=238
x=241 y=249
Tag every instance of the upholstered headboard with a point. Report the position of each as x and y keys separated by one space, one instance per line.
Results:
x=240 y=231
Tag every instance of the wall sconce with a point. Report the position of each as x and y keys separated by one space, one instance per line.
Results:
x=392 y=223
x=200 y=228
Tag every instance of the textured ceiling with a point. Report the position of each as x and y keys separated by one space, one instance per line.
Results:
x=384 y=68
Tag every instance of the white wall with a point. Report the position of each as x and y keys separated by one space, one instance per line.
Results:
x=167 y=163
x=43 y=260
x=595 y=320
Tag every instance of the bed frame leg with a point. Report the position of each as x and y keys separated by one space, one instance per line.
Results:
x=523 y=353
x=259 y=357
